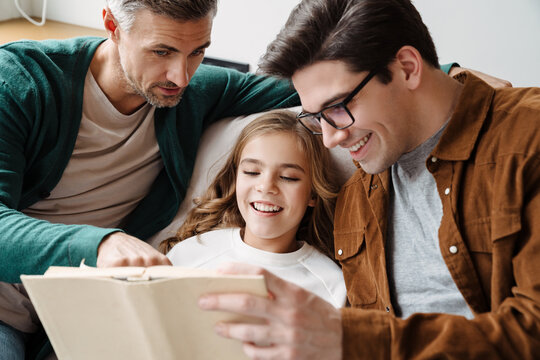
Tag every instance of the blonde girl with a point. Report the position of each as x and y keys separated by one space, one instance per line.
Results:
x=270 y=205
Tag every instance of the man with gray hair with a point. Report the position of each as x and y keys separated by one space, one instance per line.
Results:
x=98 y=140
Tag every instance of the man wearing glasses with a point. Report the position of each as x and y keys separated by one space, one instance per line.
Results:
x=438 y=232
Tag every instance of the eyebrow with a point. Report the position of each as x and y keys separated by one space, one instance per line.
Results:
x=173 y=49
x=333 y=100
x=283 y=165
x=204 y=46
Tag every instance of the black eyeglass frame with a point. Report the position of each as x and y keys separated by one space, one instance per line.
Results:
x=342 y=104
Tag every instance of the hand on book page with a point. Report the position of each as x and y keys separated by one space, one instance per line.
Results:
x=119 y=249
x=295 y=321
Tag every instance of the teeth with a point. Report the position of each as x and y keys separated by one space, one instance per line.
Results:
x=361 y=143
x=266 y=208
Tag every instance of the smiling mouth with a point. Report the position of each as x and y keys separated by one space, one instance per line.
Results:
x=170 y=90
x=265 y=207
x=360 y=144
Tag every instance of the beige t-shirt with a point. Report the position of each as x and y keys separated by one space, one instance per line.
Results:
x=114 y=163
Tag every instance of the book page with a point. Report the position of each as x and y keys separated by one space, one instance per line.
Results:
x=152 y=272
x=89 y=313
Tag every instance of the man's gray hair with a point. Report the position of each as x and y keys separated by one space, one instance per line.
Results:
x=124 y=11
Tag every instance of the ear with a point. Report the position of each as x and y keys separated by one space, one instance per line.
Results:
x=410 y=66
x=110 y=24
x=312 y=202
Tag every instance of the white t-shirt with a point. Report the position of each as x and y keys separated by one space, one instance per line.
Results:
x=305 y=267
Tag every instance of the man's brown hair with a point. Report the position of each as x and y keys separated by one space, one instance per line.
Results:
x=365 y=34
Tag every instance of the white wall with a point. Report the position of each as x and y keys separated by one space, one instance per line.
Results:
x=9 y=11
x=499 y=37
x=78 y=12
x=243 y=28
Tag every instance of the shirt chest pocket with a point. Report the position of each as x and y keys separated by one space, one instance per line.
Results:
x=491 y=244
x=483 y=234
x=351 y=252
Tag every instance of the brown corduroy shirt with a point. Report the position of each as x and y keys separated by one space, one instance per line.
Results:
x=487 y=169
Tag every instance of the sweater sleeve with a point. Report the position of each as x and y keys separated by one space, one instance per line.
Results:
x=226 y=92
x=447 y=67
x=28 y=245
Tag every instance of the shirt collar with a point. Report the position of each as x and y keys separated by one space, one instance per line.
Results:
x=459 y=138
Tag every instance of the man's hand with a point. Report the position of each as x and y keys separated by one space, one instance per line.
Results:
x=119 y=249
x=296 y=323
x=491 y=80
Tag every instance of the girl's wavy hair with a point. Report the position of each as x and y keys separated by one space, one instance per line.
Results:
x=218 y=208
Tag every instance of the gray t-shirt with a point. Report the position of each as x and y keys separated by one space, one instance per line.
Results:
x=419 y=278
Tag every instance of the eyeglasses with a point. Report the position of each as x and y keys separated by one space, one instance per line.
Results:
x=337 y=115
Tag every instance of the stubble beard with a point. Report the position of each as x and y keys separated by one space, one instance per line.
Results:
x=380 y=159
x=160 y=101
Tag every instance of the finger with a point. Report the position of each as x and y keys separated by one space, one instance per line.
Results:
x=149 y=254
x=253 y=333
x=122 y=260
x=285 y=304
x=165 y=261
x=262 y=334
x=156 y=258
x=254 y=351
x=245 y=304
x=144 y=259
x=120 y=249
x=260 y=341
x=104 y=263
x=274 y=284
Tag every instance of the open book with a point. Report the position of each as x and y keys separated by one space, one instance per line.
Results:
x=135 y=313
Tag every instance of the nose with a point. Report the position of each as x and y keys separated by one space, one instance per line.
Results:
x=332 y=137
x=267 y=184
x=178 y=72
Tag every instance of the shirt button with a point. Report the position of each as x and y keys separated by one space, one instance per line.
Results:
x=453 y=249
x=387 y=309
x=434 y=159
x=373 y=187
x=340 y=252
x=446 y=191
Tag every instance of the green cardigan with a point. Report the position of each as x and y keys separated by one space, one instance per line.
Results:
x=41 y=94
